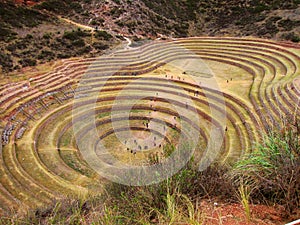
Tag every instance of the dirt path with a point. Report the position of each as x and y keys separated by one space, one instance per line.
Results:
x=77 y=24
x=92 y=29
x=129 y=42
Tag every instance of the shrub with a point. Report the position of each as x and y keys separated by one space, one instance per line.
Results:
x=73 y=35
x=11 y=14
x=291 y=37
x=5 y=62
x=28 y=37
x=273 y=169
x=11 y=47
x=83 y=50
x=46 y=55
x=172 y=200
x=64 y=55
x=100 y=46
x=295 y=39
x=259 y=8
x=52 y=5
x=102 y=35
x=78 y=43
x=27 y=62
x=75 y=6
x=47 y=36
x=5 y=33
x=288 y=24
x=94 y=23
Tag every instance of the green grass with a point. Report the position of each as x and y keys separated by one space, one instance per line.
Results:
x=272 y=170
x=244 y=195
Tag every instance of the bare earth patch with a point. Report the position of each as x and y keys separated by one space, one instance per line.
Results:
x=229 y=214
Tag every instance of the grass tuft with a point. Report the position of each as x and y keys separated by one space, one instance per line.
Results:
x=273 y=169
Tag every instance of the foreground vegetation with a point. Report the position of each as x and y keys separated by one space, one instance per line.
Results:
x=269 y=175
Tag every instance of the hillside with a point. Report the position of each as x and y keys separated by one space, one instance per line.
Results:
x=40 y=30
x=29 y=37
x=270 y=19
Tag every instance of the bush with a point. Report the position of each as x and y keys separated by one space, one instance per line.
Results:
x=78 y=43
x=28 y=37
x=83 y=50
x=180 y=192
x=56 y=6
x=47 y=36
x=28 y=62
x=73 y=35
x=11 y=47
x=5 y=33
x=273 y=170
x=75 y=6
x=100 y=46
x=46 y=55
x=20 y=16
x=295 y=39
x=259 y=8
x=64 y=55
x=5 y=62
x=291 y=37
x=103 y=35
x=288 y=24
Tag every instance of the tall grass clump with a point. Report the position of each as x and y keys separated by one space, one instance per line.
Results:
x=244 y=193
x=172 y=201
x=272 y=171
x=66 y=211
x=163 y=203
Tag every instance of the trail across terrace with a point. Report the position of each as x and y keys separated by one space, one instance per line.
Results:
x=125 y=107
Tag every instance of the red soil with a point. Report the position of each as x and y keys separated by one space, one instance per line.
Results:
x=231 y=214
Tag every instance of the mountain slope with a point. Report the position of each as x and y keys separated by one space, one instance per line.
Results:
x=34 y=34
x=181 y=18
x=29 y=36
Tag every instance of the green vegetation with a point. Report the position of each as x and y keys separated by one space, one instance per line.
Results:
x=270 y=173
x=244 y=193
x=176 y=18
x=60 y=7
x=273 y=170
x=33 y=49
x=103 y=35
x=11 y=14
x=292 y=37
x=5 y=61
x=172 y=201
x=62 y=41
x=222 y=14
